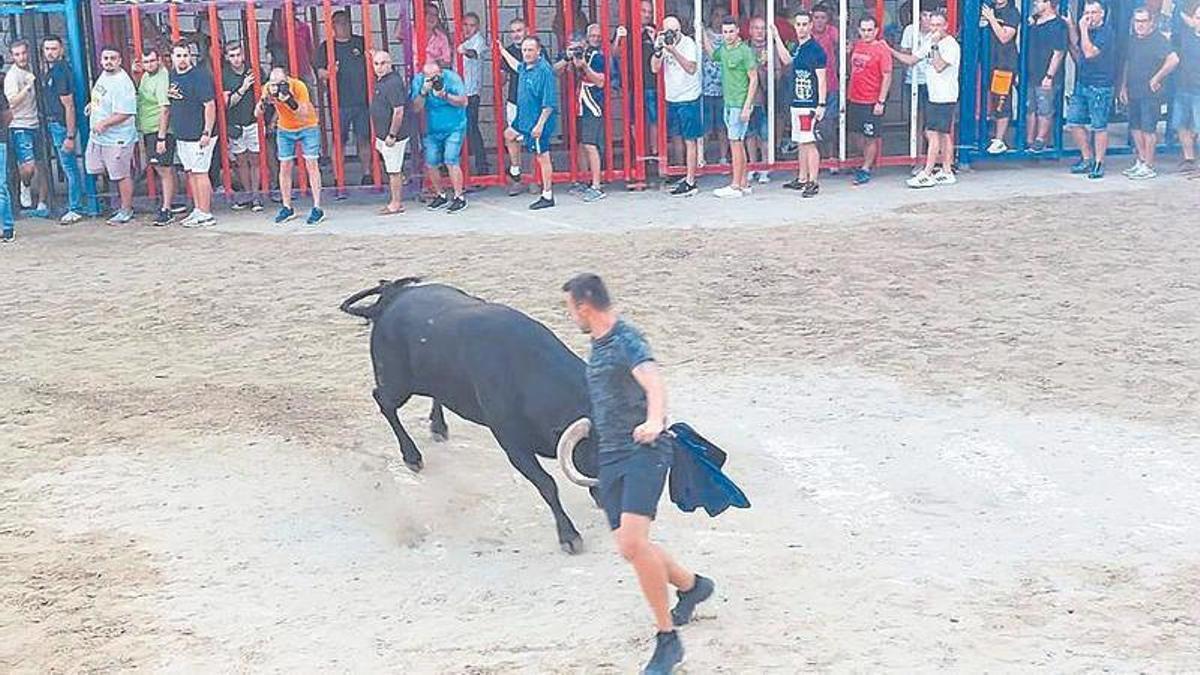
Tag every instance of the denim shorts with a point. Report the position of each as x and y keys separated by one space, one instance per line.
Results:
x=1043 y=102
x=443 y=148
x=1185 y=113
x=1090 y=106
x=309 y=138
x=734 y=126
x=24 y=145
x=685 y=119
x=757 y=126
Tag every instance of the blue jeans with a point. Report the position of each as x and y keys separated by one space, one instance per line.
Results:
x=70 y=165
x=6 y=212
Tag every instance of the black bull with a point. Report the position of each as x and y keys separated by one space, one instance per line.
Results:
x=488 y=363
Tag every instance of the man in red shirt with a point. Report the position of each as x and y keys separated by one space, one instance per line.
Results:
x=870 y=81
x=825 y=33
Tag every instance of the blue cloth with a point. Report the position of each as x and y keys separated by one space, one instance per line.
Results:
x=6 y=212
x=591 y=96
x=686 y=119
x=696 y=479
x=1185 y=113
x=443 y=147
x=70 y=165
x=618 y=401
x=1101 y=70
x=24 y=143
x=807 y=59
x=735 y=128
x=442 y=116
x=537 y=88
x=309 y=138
x=1090 y=106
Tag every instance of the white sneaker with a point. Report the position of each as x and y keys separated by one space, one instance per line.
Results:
x=996 y=147
x=921 y=180
x=70 y=218
x=198 y=219
x=190 y=220
x=1145 y=173
x=26 y=197
x=1129 y=171
x=727 y=192
x=764 y=177
x=121 y=217
x=945 y=178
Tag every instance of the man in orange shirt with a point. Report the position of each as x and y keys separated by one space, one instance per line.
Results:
x=298 y=124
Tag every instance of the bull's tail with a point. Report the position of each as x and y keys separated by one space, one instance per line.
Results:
x=385 y=286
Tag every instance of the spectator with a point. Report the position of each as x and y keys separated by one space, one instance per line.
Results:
x=870 y=80
x=649 y=81
x=710 y=83
x=277 y=45
x=58 y=103
x=442 y=96
x=1185 y=113
x=1149 y=61
x=915 y=39
x=810 y=92
x=1002 y=19
x=392 y=126
x=559 y=25
x=677 y=56
x=193 y=115
x=472 y=50
x=826 y=34
x=6 y=211
x=238 y=82
x=739 y=82
x=20 y=90
x=437 y=38
x=1047 y=50
x=757 y=136
x=298 y=124
x=112 y=113
x=592 y=76
x=350 y=64
x=1094 y=46
x=535 y=120
x=511 y=55
x=153 y=123
x=942 y=58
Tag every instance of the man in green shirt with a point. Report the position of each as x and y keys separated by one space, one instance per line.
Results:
x=153 y=113
x=739 y=82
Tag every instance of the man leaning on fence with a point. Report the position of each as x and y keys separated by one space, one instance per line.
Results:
x=25 y=139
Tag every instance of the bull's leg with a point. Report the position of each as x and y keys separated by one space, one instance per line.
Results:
x=437 y=422
x=525 y=461
x=389 y=406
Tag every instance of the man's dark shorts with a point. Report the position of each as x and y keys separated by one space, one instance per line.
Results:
x=357 y=118
x=1144 y=114
x=591 y=131
x=634 y=484
x=861 y=119
x=939 y=117
x=166 y=159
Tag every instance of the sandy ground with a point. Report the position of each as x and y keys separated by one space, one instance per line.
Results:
x=969 y=431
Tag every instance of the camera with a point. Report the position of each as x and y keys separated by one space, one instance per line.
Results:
x=436 y=83
x=576 y=51
x=670 y=37
x=281 y=90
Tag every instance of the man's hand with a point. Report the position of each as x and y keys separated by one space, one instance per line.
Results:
x=1047 y=83
x=390 y=141
x=1155 y=85
x=247 y=84
x=987 y=13
x=68 y=145
x=878 y=109
x=205 y=139
x=426 y=87
x=1085 y=22
x=160 y=147
x=647 y=432
x=819 y=113
x=745 y=116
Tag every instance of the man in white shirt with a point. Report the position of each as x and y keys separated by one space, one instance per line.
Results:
x=916 y=39
x=472 y=49
x=677 y=56
x=112 y=113
x=19 y=83
x=941 y=56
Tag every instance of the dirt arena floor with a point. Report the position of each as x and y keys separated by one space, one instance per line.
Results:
x=970 y=432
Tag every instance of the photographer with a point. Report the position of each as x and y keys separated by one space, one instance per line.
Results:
x=442 y=96
x=587 y=60
x=677 y=56
x=297 y=120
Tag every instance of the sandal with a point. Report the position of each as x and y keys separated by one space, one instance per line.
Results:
x=385 y=211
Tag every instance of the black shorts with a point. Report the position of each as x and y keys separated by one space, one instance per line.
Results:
x=861 y=119
x=1000 y=103
x=591 y=131
x=939 y=117
x=633 y=484
x=163 y=160
x=355 y=117
x=1144 y=114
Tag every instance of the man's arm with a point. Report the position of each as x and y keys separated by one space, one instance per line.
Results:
x=1004 y=33
x=68 y=102
x=1089 y=48
x=1169 y=64
x=781 y=51
x=397 y=121
x=689 y=66
x=822 y=91
x=508 y=58
x=16 y=96
x=649 y=378
x=1056 y=60
x=748 y=106
x=884 y=89
x=593 y=76
x=210 y=120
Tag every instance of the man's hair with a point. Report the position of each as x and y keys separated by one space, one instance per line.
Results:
x=19 y=42
x=109 y=48
x=729 y=20
x=868 y=18
x=1142 y=10
x=472 y=15
x=536 y=40
x=183 y=44
x=802 y=13
x=1098 y=3
x=588 y=288
x=342 y=14
x=232 y=45
x=822 y=7
x=517 y=20
x=148 y=49
x=51 y=38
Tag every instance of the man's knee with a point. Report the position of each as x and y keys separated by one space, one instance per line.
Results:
x=631 y=544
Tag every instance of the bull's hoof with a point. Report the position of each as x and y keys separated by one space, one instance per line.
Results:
x=573 y=546
x=415 y=466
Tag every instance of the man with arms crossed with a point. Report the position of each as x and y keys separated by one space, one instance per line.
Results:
x=810 y=82
x=392 y=126
x=629 y=411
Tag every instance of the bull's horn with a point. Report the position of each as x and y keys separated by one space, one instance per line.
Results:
x=567 y=443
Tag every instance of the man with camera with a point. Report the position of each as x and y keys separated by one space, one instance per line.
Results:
x=442 y=96
x=1094 y=46
x=536 y=119
x=587 y=60
x=810 y=91
x=298 y=125
x=193 y=116
x=242 y=128
x=677 y=57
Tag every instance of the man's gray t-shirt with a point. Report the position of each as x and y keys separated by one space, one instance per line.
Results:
x=618 y=401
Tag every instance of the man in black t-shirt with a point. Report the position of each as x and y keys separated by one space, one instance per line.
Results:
x=244 y=144
x=1149 y=61
x=389 y=113
x=1002 y=19
x=193 y=120
x=58 y=105
x=1047 y=51
x=350 y=64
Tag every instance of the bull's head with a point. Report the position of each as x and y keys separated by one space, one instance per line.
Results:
x=577 y=453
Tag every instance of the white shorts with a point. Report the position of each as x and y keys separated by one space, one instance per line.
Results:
x=247 y=143
x=510 y=113
x=193 y=158
x=804 y=125
x=393 y=157
x=114 y=160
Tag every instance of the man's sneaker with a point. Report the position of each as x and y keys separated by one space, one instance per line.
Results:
x=1187 y=166
x=1130 y=170
x=198 y=219
x=26 y=198
x=702 y=590
x=764 y=177
x=810 y=190
x=1145 y=173
x=240 y=206
x=668 y=654
x=163 y=218
x=457 y=204
x=256 y=205
x=1081 y=167
x=7 y=237
x=513 y=177
x=684 y=189
x=121 y=218
x=437 y=202
x=70 y=218
x=40 y=212
x=1038 y=145
x=728 y=192
x=997 y=146
x=177 y=209
x=945 y=178
x=591 y=194
x=541 y=203
x=1097 y=171
x=515 y=189
x=795 y=184
x=921 y=180
x=315 y=216
x=285 y=214
x=862 y=177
